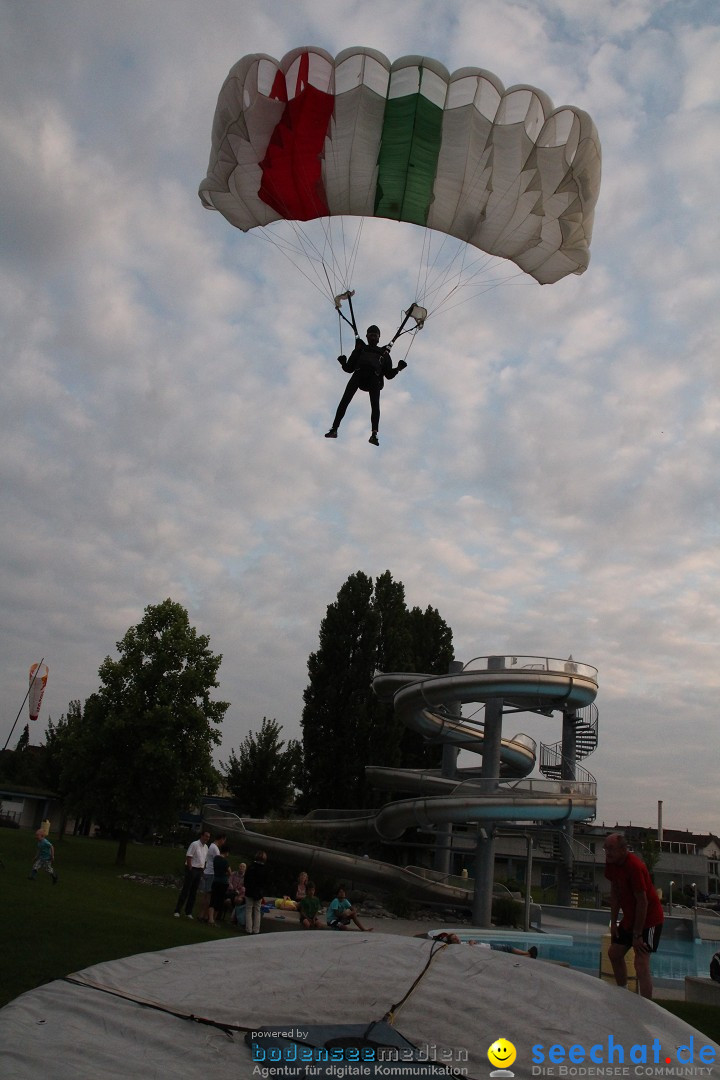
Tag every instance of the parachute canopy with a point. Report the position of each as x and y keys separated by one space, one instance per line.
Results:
x=38 y=680
x=310 y=136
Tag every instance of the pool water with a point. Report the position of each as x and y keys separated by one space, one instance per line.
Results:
x=673 y=960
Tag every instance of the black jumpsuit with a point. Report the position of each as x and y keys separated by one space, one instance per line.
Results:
x=370 y=366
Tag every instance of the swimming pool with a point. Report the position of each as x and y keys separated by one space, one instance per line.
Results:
x=675 y=958
x=672 y=962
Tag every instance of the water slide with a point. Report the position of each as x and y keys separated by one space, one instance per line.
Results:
x=424 y=703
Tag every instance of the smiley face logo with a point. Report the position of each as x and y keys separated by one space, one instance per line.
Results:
x=502 y=1054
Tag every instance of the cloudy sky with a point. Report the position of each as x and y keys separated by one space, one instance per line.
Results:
x=548 y=469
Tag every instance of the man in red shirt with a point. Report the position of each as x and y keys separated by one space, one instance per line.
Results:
x=642 y=915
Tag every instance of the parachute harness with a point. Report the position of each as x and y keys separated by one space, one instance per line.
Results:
x=415 y=311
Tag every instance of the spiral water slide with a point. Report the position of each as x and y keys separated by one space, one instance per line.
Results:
x=431 y=704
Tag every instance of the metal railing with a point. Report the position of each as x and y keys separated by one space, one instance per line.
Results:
x=552 y=761
x=336 y=815
x=586 y=740
x=550 y=664
x=584 y=786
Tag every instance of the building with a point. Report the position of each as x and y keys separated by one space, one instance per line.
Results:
x=27 y=807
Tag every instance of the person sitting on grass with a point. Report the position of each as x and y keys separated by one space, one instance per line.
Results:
x=309 y=907
x=300 y=887
x=236 y=886
x=341 y=913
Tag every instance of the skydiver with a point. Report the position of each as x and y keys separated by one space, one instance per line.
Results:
x=368 y=365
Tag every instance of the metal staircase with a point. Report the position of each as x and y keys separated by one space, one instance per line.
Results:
x=586 y=740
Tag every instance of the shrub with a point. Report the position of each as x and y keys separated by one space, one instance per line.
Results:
x=506 y=911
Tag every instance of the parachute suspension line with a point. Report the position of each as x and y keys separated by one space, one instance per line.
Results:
x=445 y=278
x=411 y=342
x=327 y=276
x=337 y=154
x=464 y=278
x=437 y=282
x=355 y=251
x=456 y=269
x=337 y=254
x=333 y=263
x=442 y=270
x=330 y=259
x=315 y=261
x=316 y=254
x=460 y=277
x=312 y=251
x=436 y=276
x=472 y=291
x=291 y=253
x=334 y=257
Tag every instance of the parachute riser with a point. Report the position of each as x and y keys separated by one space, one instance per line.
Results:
x=419 y=314
x=338 y=304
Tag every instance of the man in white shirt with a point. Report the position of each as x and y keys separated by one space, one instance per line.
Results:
x=209 y=872
x=195 y=859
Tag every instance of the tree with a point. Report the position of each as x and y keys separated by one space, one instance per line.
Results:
x=432 y=652
x=141 y=751
x=378 y=742
x=61 y=755
x=24 y=764
x=650 y=853
x=345 y=726
x=337 y=699
x=261 y=776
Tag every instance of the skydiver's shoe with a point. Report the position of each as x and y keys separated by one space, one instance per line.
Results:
x=374 y=439
x=331 y=434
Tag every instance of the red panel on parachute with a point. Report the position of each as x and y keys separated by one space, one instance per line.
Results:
x=292 y=166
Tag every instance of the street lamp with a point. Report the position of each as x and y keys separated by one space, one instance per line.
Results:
x=672 y=886
x=694 y=889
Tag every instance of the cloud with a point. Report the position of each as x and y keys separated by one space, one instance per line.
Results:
x=547 y=470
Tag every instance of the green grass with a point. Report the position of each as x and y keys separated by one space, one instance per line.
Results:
x=93 y=914
x=48 y=931
x=705 y=1018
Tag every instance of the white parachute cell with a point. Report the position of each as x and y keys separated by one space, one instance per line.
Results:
x=310 y=136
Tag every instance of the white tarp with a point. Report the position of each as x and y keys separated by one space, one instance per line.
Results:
x=130 y=1017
